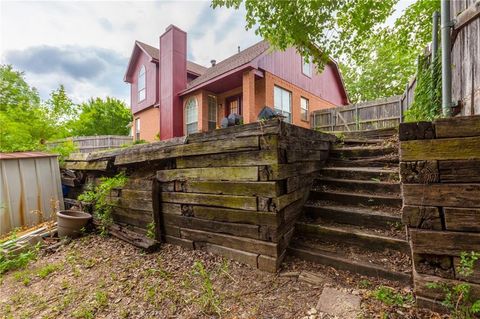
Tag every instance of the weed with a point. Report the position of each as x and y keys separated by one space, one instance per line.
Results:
x=84 y=312
x=47 y=270
x=209 y=300
x=101 y=199
x=101 y=299
x=458 y=298
x=364 y=284
x=25 y=277
x=151 y=230
x=390 y=297
x=20 y=261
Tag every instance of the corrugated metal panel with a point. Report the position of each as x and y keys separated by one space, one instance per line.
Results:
x=29 y=189
x=24 y=155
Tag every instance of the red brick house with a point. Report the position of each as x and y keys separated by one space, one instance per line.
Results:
x=171 y=96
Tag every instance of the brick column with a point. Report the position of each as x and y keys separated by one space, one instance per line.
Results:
x=248 y=88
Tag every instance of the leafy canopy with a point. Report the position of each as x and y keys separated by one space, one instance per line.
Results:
x=376 y=60
x=27 y=123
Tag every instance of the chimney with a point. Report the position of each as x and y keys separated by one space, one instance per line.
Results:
x=173 y=79
x=213 y=62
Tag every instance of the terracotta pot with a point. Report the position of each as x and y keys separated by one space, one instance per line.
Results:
x=70 y=222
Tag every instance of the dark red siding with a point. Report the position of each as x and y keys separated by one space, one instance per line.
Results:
x=287 y=65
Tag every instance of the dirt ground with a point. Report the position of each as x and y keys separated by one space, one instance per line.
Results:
x=103 y=277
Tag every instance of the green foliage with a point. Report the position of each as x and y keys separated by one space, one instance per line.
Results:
x=151 y=230
x=390 y=297
x=102 y=117
x=13 y=261
x=63 y=150
x=336 y=27
x=458 y=298
x=428 y=91
x=209 y=300
x=377 y=60
x=47 y=270
x=100 y=197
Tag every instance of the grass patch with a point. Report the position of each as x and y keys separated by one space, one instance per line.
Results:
x=47 y=270
x=25 y=277
x=20 y=261
x=208 y=300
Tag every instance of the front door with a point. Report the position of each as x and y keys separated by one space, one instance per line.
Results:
x=233 y=105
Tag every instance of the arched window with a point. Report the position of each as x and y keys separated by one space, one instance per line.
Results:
x=142 y=84
x=191 y=115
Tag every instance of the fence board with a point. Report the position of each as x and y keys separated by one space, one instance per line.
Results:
x=87 y=144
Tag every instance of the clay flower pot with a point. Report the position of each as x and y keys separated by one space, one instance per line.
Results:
x=70 y=222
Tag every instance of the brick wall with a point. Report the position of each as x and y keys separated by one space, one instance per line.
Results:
x=149 y=124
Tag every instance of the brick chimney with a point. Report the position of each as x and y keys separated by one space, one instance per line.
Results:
x=173 y=79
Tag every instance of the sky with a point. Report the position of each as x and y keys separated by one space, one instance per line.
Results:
x=86 y=45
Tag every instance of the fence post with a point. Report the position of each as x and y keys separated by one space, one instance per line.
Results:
x=357 y=119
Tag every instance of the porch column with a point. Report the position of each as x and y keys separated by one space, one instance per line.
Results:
x=248 y=89
x=202 y=111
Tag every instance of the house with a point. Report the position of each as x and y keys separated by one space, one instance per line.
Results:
x=171 y=96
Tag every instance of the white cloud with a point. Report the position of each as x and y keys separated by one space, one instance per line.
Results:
x=65 y=26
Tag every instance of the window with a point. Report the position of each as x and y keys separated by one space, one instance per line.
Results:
x=283 y=102
x=137 y=129
x=191 y=115
x=307 y=66
x=234 y=105
x=304 y=109
x=142 y=83
x=212 y=112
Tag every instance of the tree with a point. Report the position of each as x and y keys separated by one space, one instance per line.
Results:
x=101 y=117
x=24 y=124
x=376 y=60
x=61 y=110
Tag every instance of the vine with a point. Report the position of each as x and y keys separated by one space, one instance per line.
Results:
x=428 y=92
x=100 y=197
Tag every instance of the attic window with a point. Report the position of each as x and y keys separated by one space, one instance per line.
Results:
x=307 y=66
x=142 y=83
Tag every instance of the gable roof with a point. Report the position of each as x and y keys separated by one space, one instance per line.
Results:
x=233 y=62
x=153 y=53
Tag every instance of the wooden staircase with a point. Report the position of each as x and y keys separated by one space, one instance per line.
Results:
x=352 y=218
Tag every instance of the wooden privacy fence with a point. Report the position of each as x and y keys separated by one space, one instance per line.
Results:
x=87 y=144
x=381 y=113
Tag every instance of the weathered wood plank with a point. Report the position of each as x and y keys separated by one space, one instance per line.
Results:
x=88 y=166
x=242 y=230
x=235 y=254
x=419 y=172
x=283 y=201
x=459 y=171
x=139 y=183
x=300 y=181
x=77 y=157
x=455 y=195
x=228 y=201
x=462 y=219
x=474 y=277
x=138 y=204
x=210 y=173
x=294 y=156
x=425 y=217
x=416 y=131
x=169 y=208
x=130 y=194
x=283 y=171
x=441 y=149
x=234 y=215
x=270 y=264
x=185 y=243
x=173 y=231
x=210 y=147
x=249 y=158
x=299 y=144
x=423 y=288
x=462 y=126
x=443 y=242
x=267 y=189
x=240 y=243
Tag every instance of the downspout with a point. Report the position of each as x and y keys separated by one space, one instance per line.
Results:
x=446 y=59
x=434 y=57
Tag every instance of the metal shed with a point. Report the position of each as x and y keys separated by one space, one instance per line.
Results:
x=30 y=189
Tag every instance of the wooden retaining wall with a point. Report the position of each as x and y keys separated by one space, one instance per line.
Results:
x=236 y=191
x=440 y=176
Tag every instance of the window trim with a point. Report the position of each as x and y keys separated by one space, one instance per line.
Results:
x=214 y=99
x=192 y=98
x=137 y=125
x=307 y=109
x=281 y=110
x=144 y=88
x=302 y=61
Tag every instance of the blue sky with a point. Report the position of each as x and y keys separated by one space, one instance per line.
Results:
x=85 y=45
